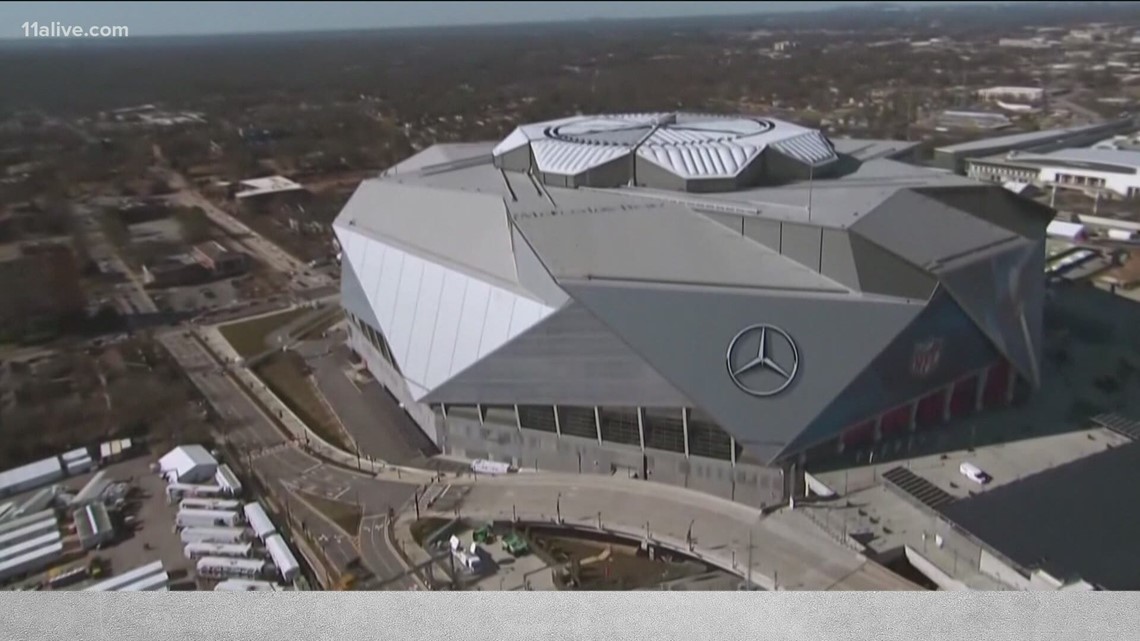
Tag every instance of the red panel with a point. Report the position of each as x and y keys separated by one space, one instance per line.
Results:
x=964 y=400
x=859 y=434
x=930 y=409
x=997 y=386
x=896 y=420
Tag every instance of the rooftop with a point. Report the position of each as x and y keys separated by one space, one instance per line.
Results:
x=1033 y=138
x=266 y=185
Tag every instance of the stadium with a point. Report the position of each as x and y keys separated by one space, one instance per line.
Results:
x=710 y=301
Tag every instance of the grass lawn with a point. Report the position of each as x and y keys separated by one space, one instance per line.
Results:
x=248 y=337
x=346 y=515
x=284 y=373
x=335 y=316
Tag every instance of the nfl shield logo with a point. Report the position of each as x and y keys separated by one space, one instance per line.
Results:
x=926 y=357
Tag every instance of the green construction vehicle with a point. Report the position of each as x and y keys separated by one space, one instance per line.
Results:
x=515 y=545
x=484 y=534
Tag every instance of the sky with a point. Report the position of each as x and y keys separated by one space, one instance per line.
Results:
x=193 y=18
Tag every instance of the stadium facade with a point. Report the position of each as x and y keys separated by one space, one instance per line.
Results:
x=709 y=301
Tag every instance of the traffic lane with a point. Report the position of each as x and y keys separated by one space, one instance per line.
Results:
x=335 y=545
x=379 y=557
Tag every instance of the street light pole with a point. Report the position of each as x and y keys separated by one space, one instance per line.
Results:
x=558 y=507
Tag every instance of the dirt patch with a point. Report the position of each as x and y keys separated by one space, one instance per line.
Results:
x=347 y=516
x=286 y=374
x=248 y=337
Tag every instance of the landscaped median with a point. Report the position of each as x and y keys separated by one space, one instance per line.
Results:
x=248 y=337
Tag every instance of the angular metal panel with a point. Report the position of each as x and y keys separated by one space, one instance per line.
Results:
x=685 y=334
x=765 y=232
x=943 y=334
x=569 y=358
x=384 y=296
x=946 y=232
x=399 y=334
x=446 y=331
x=998 y=293
x=353 y=298
x=838 y=260
x=881 y=272
x=533 y=275
x=497 y=324
x=475 y=303
x=802 y=244
x=423 y=328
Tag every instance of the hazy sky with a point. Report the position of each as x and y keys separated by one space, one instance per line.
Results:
x=186 y=18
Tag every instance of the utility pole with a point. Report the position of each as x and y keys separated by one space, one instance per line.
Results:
x=558 y=507
x=749 y=579
x=811 y=176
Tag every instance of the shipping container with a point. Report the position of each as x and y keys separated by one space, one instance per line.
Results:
x=219 y=567
x=259 y=520
x=283 y=559
x=75 y=455
x=39 y=528
x=177 y=491
x=26 y=520
x=151 y=583
x=93 y=490
x=228 y=505
x=215 y=535
x=227 y=480
x=30 y=476
x=24 y=547
x=33 y=561
x=207 y=518
x=135 y=575
x=245 y=585
x=79 y=466
x=199 y=549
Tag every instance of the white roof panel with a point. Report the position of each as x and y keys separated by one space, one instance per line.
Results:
x=689 y=145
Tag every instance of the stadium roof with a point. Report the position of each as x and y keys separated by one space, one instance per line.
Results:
x=491 y=246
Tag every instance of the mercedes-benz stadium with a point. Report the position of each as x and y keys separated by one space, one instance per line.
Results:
x=694 y=299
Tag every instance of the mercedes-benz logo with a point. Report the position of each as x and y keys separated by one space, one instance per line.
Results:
x=762 y=360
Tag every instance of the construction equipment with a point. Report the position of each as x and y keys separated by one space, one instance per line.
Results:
x=484 y=534
x=515 y=545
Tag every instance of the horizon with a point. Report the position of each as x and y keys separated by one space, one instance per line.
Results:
x=187 y=19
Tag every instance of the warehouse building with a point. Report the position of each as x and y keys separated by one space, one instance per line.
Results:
x=954 y=157
x=700 y=300
x=1109 y=172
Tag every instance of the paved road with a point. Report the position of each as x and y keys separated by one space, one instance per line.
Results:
x=268 y=252
x=281 y=463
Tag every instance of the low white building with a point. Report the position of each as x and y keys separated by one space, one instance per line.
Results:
x=1018 y=94
x=188 y=464
x=268 y=185
x=1107 y=172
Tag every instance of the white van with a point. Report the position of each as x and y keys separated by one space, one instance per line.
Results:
x=974 y=473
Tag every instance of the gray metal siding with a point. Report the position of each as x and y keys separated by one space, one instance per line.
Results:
x=881 y=272
x=838 y=260
x=684 y=333
x=945 y=231
x=532 y=275
x=570 y=358
x=802 y=244
x=765 y=232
